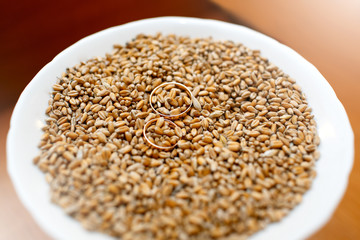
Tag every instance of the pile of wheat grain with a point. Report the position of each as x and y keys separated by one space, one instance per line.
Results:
x=246 y=155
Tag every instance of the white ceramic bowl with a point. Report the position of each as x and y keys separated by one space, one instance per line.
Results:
x=336 y=147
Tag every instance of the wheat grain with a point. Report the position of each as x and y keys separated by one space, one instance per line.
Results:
x=239 y=158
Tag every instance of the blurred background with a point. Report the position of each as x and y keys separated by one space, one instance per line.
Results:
x=325 y=32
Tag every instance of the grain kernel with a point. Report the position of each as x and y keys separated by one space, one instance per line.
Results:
x=276 y=144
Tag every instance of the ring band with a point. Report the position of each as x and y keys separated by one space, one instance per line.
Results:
x=177 y=115
x=146 y=126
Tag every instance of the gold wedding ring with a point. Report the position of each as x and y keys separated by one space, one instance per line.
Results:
x=146 y=126
x=177 y=115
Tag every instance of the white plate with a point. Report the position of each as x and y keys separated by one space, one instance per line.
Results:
x=336 y=147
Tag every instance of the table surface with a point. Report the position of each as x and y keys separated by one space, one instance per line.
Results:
x=326 y=33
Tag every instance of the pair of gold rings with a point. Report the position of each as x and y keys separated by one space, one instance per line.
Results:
x=167 y=117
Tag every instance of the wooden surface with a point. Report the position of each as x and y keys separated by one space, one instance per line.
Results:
x=327 y=33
